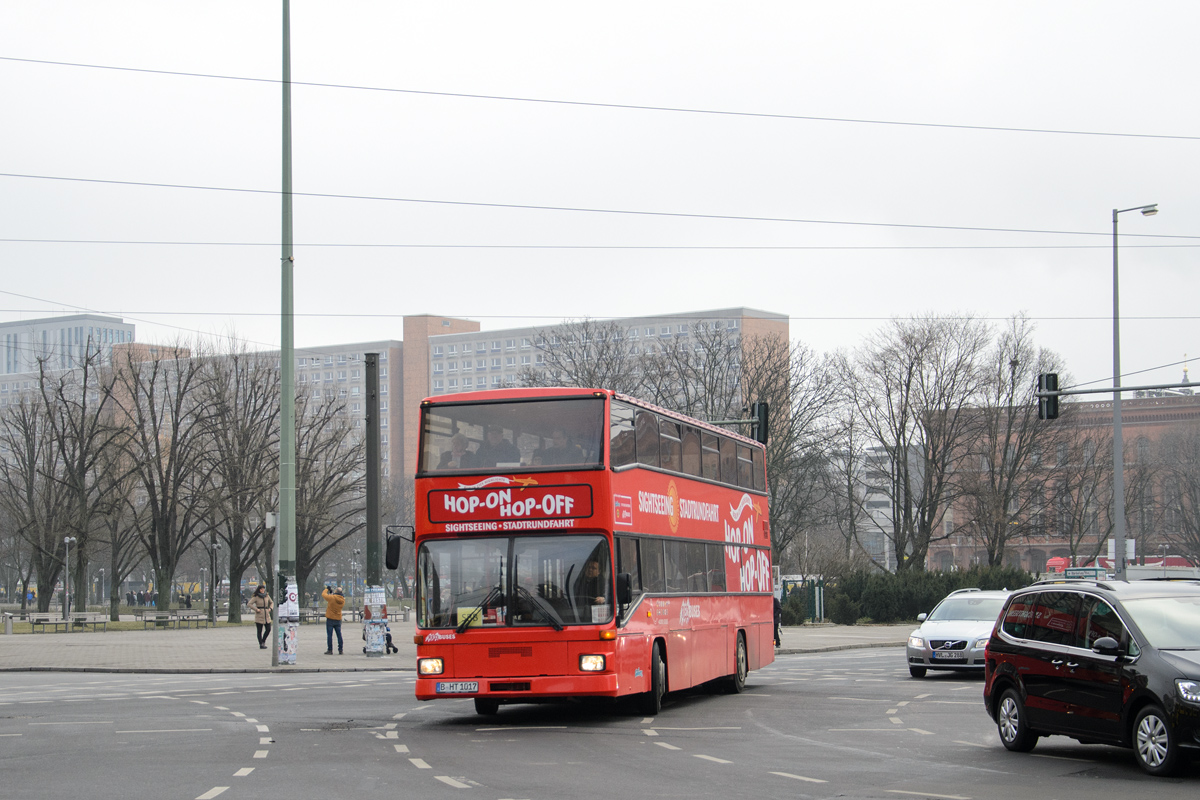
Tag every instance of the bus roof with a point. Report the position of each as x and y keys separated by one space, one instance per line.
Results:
x=548 y=392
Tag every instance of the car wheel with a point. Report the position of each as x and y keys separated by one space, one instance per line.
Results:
x=1010 y=722
x=917 y=672
x=487 y=708
x=1154 y=743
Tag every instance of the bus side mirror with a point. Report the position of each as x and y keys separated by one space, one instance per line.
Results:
x=624 y=588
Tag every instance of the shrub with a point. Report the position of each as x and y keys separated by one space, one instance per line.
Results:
x=795 y=609
x=840 y=608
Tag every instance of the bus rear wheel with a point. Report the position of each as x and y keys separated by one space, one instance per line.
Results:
x=735 y=683
x=651 y=701
x=487 y=708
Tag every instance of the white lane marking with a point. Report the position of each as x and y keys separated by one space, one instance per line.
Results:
x=390 y=726
x=973 y=744
x=237 y=713
x=647 y=720
x=243 y=772
x=863 y=699
x=419 y=763
x=398 y=716
x=896 y=720
x=922 y=696
x=213 y=792
x=171 y=730
x=902 y=703
x=922 y=732
x=388 y=735
x=263 y=728
x=524 y=728
x=265 y=740
x=297 y=689
x=711 y=758
x=726 y=728
x=261 y=753
x=650 y=732
x=1062 y=758
x=798 y=777
x=249 y=720
x=892 y=710
x=95 y=722
x=668 y=746
x=12 y=734
x=401 y=748
x=200 y=702
x=446 y=779
x=928 y=794
x=220 y=708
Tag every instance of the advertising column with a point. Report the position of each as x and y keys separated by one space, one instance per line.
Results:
x=375 y=621
x=289 y=624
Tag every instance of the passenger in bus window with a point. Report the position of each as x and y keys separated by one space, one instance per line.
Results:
x=458 y=456
x=561 y=449
x=496 y=450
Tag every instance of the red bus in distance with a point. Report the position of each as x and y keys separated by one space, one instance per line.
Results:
x=581 y=543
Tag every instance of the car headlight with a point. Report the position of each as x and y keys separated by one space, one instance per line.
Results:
x=982 y=643
x=430 y=666
x=917 y=642
x=591 y=663
x=1188 y=690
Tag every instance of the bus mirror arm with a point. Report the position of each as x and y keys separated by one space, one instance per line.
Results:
x=624 y=588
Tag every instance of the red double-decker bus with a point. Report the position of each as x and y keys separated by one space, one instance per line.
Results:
x=581 y=543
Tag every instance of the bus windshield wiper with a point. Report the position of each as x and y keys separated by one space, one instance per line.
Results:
x=541 y=605
x=494 y=594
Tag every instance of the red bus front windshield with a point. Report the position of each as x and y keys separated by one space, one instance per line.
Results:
x=513 y=581
x=524 y=434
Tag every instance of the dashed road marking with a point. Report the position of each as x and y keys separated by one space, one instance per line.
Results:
x=928 y=794
x=213 y=792
x=711 y=758
x=243 y=772
x=798 y=777
x=419 y=763
x=262 y=728
x=401 y=748
x=261 y=753
x=973 y=744
x=650 y=732
x=446 y=779
x=668 y=746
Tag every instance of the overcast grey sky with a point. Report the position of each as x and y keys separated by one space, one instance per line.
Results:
x=837 y=162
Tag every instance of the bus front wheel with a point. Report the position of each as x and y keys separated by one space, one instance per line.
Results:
x=736 y=682
x=652 y=700
x=486 y=708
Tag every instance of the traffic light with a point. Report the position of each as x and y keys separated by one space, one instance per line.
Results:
x=1048 y=406
x=758 y=413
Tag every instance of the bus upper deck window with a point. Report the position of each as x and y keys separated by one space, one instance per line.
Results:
x=647 y=439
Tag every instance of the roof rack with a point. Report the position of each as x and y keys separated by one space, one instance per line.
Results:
x=1089 y=581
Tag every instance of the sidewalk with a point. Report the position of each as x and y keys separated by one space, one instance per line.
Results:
x=235 y=649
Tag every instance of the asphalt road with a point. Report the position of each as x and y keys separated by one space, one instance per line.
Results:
x=845 y=724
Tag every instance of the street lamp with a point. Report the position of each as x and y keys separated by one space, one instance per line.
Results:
x=102 y=586
x=212 y=582
x=67 y=578
x=1118 y=442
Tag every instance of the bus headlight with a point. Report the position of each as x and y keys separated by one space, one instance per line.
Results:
x=430 y=666
x=591 y=663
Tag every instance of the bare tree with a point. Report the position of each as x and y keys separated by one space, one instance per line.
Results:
x=913 y=386
x=78 y=406
x=159 y=397
x=330 y=481
x=240 y=457
x=32 y=491
x=996 y=483
x=586 y=353
x=1179 y=455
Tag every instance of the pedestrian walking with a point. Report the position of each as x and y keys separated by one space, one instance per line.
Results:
x=334 y=599
x=778 y=620
x=261 y=604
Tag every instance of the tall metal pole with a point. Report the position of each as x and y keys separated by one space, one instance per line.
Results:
x=286 y=532
x=1118 y=440
x=374 y=530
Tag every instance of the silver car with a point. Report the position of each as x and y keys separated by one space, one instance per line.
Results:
x=953 y=636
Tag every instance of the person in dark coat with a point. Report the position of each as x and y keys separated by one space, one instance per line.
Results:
x=778 y=619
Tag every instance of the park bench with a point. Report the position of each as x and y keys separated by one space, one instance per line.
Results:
x=159 y=619
x=184 y=619
x=44 y=621
x=90 y=619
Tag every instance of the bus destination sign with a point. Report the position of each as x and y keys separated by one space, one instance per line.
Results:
x=485 y=508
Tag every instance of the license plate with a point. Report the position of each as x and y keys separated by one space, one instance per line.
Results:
x=457 y=687
x=948 y=656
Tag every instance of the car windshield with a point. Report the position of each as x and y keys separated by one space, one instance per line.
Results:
x=968 y=607
x=522 y=434
x=526 y=580
x=1169 y=623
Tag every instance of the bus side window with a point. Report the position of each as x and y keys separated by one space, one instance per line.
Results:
x=728 y=461
x=716 y=567
x=677 y=566
x=745 y=467
x=627 y=561
x=691 y=451
x=647 y=438
x=710 y=457
x=760 y=473
x=652 y=565
x=620 y=436
x=697 y=570
x=669 y=445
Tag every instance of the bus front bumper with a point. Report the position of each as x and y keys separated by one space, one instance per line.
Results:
x=520 y=688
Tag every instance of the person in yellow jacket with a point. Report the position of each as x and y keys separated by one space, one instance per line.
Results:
x=334 y=599
x=261 y=604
